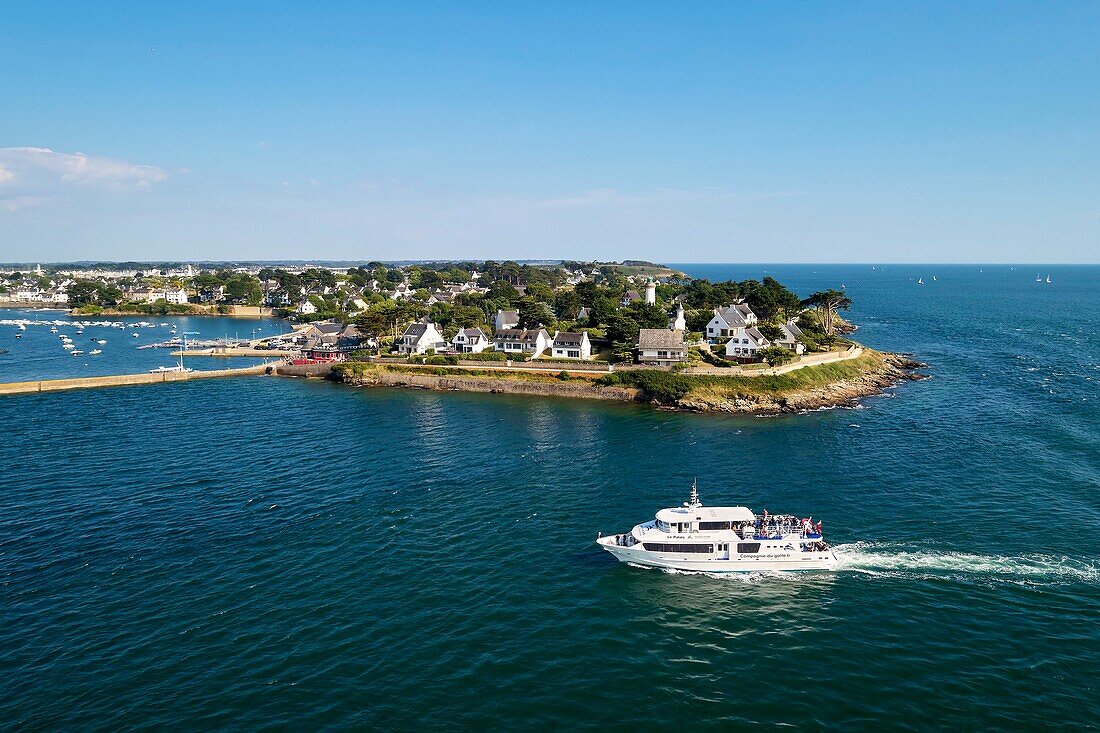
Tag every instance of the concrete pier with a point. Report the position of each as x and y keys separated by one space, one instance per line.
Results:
x=58 y=385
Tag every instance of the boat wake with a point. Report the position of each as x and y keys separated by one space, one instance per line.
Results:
x=906 y=561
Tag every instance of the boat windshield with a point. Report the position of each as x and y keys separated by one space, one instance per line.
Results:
x=663 y=526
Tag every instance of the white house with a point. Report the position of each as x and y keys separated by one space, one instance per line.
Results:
x=745 y=344
x=792 y=338
x=175 y=296
x=661 y=346
x=505 y=320
x=569 y=345
x=730 y=321
x=522 y=342
x=421 y=336
x=306 y=308
x=470 y=341
x=679 y=322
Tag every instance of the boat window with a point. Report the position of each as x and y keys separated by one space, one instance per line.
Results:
x=669 y=547
x=704 y=526
x=663 y=526
x=748 y=547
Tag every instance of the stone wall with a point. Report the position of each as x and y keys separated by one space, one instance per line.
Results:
x=585 y=390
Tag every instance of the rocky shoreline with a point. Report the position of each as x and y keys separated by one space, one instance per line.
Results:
x=894 y=369
x=886 y=371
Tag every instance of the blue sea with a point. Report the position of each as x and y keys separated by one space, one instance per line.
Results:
x=278 y=554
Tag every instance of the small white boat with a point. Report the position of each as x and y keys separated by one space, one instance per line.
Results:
x=1038 y=278
x=53 y=329
x=920 y=281
x=77 y=352
x=67 y=346
x=933 y=278
x=722 y=540
x=93 y=352
x=135 y=335
x=101 y=341
x=22 y=327
x=1048 y=279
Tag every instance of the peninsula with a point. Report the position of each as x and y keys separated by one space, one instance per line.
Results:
x=630 y=330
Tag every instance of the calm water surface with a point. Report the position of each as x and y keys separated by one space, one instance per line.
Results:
x=264 y=553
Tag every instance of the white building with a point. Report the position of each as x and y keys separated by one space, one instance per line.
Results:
x=421 y=336
x=470 y=341
x=568 y=345
x=792 y=338
x=730 y=321
x=306 y=308
x=175 y=296
x=679 y=322
x=505 y=320
x=746 y=343
x=661 y=346
x=651 y=292
x=522 y=342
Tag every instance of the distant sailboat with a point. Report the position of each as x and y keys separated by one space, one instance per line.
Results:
x=1048 y=279
x=933 y=278
x=920 y=281
x=1038 y=278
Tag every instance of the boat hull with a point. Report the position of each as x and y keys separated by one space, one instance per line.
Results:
x=775 y=561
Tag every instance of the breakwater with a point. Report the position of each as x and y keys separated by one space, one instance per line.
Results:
x=118 y=380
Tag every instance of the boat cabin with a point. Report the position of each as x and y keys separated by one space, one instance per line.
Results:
x=688 y=519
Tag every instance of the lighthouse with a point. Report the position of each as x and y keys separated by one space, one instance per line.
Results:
x=650 y=292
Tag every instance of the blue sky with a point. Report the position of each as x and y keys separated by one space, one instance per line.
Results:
x=766 y=132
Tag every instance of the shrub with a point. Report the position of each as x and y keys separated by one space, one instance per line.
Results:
x=485 y=356
x=563 y=375
x=775 y=355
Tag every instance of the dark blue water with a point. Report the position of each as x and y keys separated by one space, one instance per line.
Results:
x=38 y=354
x=266 y=553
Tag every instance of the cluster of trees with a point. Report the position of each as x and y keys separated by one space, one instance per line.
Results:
x=94 y=292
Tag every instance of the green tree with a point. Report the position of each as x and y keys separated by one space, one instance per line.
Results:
x=827 y=303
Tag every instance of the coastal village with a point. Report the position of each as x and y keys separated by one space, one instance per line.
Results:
x=630 y=330
x=588 y=315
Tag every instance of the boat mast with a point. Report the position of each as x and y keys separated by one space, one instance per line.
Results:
x=694 y=501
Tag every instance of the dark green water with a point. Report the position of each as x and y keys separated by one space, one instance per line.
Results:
x=262 y=553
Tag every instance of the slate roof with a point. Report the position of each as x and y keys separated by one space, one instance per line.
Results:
x=660 y=338
x=568 y=338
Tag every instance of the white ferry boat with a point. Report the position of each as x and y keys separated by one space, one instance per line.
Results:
x=174 y=368
x=722 y=539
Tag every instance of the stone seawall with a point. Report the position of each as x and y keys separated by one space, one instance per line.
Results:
x=496 y=386
x=118 y=380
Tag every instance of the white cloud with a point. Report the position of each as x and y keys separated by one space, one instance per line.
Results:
x=25 y=166
x=15 y=203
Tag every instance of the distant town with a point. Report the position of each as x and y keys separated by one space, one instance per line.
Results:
x=569 y=312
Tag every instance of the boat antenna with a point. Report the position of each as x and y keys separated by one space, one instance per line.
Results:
x=694 y=493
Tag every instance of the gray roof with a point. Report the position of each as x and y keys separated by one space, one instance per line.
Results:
x=755 y=334
x=632 y=295
x=519 y=334
x=567 y=338
x=416 y=330
x=473 y=333
x=510 y=315
x=660 y=338
x=732 y=315
x=792 y=330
